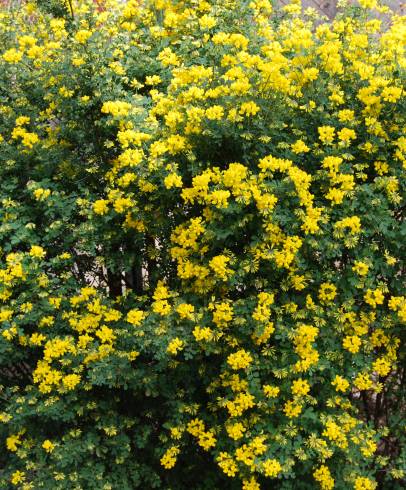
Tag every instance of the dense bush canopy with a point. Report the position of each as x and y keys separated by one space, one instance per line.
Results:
x=201 y=246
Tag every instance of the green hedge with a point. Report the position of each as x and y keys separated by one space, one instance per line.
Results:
x=201 y=246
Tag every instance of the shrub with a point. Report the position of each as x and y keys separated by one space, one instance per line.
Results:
x=202 y=267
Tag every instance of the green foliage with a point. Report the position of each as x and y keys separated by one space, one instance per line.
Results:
x=57 y=8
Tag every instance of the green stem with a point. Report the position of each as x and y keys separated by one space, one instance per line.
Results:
x=71 y=9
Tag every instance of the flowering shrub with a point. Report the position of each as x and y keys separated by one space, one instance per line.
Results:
x=202 y=260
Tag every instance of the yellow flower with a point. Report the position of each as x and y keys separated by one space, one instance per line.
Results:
x=363 y=382
x=335 y=433
x=326 y=134
x=292 y=409
x=5 y=315
x=395 y=302
x=37 y=339
x=300 y=387
x=382 y=168
x=13 y=441
x=207 y=22
x=195 y=427
x=173 y=180
x=222 y=314
x=251 y=484
x=153 y=80
x=242 y=402
x=369 y=448
x=77 y=61
x=82 y=36
x=374 y=297
x=48 y=446
x=227 y=464
x=133 y=355
x=37 y=251
x=219 y=198
x=215 y=113
x=249 y=109
x=271 y=468
x=266 y=202
x=327 y=292
x=340 y=384
x=106 y=334
x=352 y=343
x=363 y=483
x=300 y=147
x=173 y=119
x=219 y=265
x=346 y=135
x=27 y=139
x=335 y=195
x=169 y=459
x=391 y=94
x=323 y=476
x=167 y=57
x=41 y=194
x=360 y=268
x=236 y=431
x=186 y=310
x=20 y=121
x=175 y=346
x=240 y=359
x=161 y=307
x=12 y=56
x=206 y=440
x=346 y=115
x=116 y=108
x=368 y=4
x=122 y=204
x=176 y=432
x=70 y=381
x=17 y=477
x=382 y=367
x=100 y=206
x=353 y=223
x=271 y=391
x=135 y=317
x=200 y=333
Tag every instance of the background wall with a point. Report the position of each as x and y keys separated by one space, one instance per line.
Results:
x=328 y=7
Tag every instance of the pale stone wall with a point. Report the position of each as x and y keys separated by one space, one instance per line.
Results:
x=328 y=7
